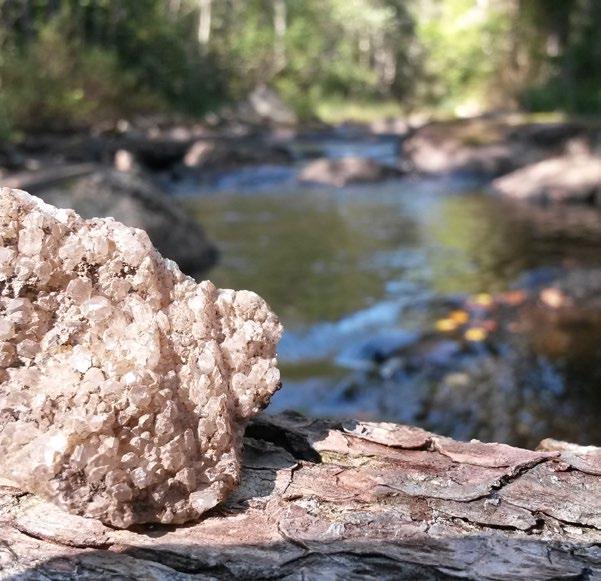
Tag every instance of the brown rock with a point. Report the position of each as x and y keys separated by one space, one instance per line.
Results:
x=346 y=170
x=570 y=178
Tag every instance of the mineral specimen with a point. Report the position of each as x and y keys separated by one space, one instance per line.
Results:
x=124 y=385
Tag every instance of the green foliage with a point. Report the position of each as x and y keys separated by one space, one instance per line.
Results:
x=367 y=111
x=163 y=54
x=6 y=127
x=76 y=62
x=464 y=49
x=571 y=65
x=96 y=61
x=54 y=82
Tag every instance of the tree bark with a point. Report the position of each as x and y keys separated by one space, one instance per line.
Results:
x=327 y=501
x=173 y=8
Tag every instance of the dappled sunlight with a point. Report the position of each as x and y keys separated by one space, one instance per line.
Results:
x=300 y=289
x=421 y=320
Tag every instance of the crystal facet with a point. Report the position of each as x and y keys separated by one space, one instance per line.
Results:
x=125 y=385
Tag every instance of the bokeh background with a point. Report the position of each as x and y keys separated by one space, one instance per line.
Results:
x=413 y=185
x=66 y=63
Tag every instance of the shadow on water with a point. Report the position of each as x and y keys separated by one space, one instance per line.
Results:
x=359 y=277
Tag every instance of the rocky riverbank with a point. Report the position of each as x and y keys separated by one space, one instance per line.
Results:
x=393 y=279
x=556 y=161
x=564 y=153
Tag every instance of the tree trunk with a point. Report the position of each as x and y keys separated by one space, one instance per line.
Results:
x=173 y=8
x=204 y=23
x=352 y=501
x=279 y=27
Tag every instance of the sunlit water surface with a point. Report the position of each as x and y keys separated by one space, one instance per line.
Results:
x=375 y=265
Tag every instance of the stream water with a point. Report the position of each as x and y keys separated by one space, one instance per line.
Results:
x=362 y=273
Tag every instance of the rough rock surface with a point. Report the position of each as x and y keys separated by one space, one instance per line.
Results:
x=135 y=201
x=321 y=502
x=125 y=386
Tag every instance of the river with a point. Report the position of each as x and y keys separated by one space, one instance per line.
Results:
x=361 y=275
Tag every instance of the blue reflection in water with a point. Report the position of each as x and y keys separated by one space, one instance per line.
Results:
x=360 y=275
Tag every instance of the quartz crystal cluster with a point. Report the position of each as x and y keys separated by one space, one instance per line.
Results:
x=124 y=385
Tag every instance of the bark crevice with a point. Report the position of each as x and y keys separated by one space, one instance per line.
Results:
x=318 y=501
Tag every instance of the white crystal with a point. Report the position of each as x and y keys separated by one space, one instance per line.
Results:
x=125 y=385
x=7 y=329
x=79 y=290
x=97 y=308
x=81 y=359
x=30 y=241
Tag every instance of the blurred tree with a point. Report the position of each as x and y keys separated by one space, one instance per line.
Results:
x=119 y=56
x=465 y=43
x=204 y=22
x=560 y=49
x=279 y=27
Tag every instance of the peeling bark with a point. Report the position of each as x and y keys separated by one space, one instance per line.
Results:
x=355 y=501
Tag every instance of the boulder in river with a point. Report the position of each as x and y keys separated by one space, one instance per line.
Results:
x=377 y=349
x=346 y=170
x=570 y=178
x=223 y=154
x=136 y=201
x=490 y=145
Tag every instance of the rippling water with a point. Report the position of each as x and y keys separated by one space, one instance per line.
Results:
x=368 y=270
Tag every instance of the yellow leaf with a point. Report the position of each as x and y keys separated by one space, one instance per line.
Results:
x=483 y=299
x=460 y=317
x=446 y=325
x=476 y=334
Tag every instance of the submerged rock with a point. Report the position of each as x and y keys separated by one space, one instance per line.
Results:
x=125 y=386
x=377 y=349
x=346 y=170
x=135 y=201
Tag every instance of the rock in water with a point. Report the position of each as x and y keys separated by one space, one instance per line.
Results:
x=346 y=170
x=568 y=178
x=134 y=200
x=125 y=386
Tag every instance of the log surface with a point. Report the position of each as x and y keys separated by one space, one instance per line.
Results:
x=357 y=500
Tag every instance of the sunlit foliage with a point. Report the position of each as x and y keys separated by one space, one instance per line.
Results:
x=72 y=62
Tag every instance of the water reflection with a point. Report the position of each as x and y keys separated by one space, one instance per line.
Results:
x=346 y=269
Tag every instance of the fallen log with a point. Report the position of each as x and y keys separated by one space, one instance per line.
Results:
x=34 y=180
x=321 y=500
